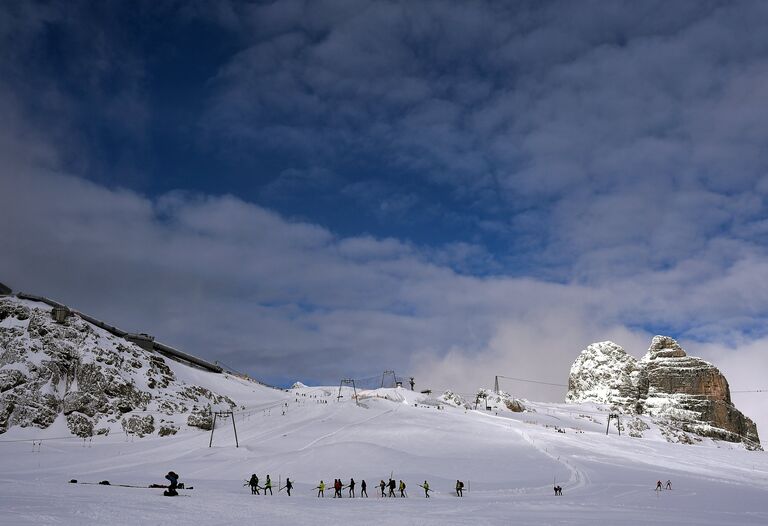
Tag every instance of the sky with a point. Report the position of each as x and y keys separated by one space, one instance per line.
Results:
x=312 y=190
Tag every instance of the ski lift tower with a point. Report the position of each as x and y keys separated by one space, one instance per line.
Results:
x=385 y=374
x=223 y=415
x=348 y=382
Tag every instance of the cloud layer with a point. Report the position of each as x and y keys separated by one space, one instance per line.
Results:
x=453 y=191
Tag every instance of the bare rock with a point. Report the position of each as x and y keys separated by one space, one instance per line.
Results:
x=80 y=425
x=10 y=379
x=139 y=425
x=202 y=419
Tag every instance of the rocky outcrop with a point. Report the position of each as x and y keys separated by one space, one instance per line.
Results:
x=606 y=374
x=95 y=380
x=202 y=419
x=683 y=392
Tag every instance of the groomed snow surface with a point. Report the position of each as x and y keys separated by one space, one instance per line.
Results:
x=508 y=462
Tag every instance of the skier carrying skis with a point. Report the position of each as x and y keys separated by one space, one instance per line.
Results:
x=382 y=485
x=288 y=485
x=351 y=488
x=321 y=489
x=426 y=489
x=363 y=490
x=268 y=486
x=173 y=478
x=402 y=488
x=391 y=488
x=459 y=488
x=254 y=484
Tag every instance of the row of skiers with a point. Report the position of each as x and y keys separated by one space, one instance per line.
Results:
x=253 y=482
x=338 y=486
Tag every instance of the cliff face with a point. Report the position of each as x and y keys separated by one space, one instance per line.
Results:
x=686 y=393
x=94 y=381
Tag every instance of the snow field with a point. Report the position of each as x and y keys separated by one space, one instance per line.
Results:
x=509 y=461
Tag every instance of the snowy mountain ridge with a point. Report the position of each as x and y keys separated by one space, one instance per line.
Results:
x=687 y=396
x=95 y=381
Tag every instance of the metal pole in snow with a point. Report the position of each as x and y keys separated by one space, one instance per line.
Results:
x=213 y=426
x=235 y=428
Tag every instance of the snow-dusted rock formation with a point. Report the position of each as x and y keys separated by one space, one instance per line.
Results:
x=684 y=392
x=94 y=380
x=606 y=374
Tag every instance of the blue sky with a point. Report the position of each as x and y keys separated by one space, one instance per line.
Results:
x=310 y=190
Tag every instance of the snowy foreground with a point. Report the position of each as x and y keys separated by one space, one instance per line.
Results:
x=507 y=461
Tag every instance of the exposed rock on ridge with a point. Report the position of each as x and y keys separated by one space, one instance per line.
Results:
x=683 y=392
x=93 y=380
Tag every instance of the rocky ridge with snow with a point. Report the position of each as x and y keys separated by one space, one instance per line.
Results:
x=686 y=395
x=96 y=381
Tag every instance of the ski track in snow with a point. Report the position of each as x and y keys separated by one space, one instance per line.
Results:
x=508 y=459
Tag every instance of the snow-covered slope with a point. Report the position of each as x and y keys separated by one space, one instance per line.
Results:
x=508 y=461
x=509 y=457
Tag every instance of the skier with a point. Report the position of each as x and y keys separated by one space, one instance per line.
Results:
x=321 y=489
x=669 y=484
x=402 y=489
x=426 y=489
x=391 y=488
x=337 y=487
x=382 y=485
x=288 y=485
x=459 y=488
x=254 y=484
x=268 y=486
x=363 y=490
x=558 y=491
x=658 y=486
x=173 y=478
x=351 y=488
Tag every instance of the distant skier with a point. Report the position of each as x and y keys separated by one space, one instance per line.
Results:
x=254 y=484
x=383 y=485
x=321 y=489
x=268 y=486
x=173 y=478
x=391 y=488
x=426 y=489
x=558 y=491
x=669 y=484
x=351 y=488
x=288 y=485
x=658 y=486
x=363 y=491
x=402 y=489
x=459 y=488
